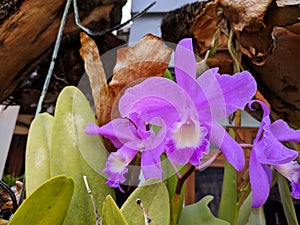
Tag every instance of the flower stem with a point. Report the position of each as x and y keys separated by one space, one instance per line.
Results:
x=182 y=179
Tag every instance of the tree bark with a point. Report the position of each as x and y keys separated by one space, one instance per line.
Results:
x=29 y=33
x=25 y=35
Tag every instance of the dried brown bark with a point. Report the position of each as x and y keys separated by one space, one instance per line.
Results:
x=27 y=35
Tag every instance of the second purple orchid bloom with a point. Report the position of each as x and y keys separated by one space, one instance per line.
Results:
x=267 y=150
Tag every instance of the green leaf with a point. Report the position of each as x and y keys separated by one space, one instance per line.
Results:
x=69 y=145
x=48 y=204
x=257 y=217
x=73 y=105
x=245 y=211
x=167 y=74
x=111 y=214
x=37 y=166
x=200 y=214
x=176 y=208
x=287 y=201
x=214 y=44
x=170 y=178
x=155 y=199
x=227 y=208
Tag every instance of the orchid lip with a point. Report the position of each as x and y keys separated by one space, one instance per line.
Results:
x=141 y=147
x=187 y=133
x=118 y=164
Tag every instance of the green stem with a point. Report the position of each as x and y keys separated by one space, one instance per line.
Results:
x=174 y=208
x=287 y=201
x=228 y=205
x=231 y=49
x=175 y=200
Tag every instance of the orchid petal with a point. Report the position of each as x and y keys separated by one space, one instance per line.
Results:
x=200 y=99
x=198 y=153
x=184 y=62
x=151 y=165
x=184 y=155
x=153 y=87
x=92 y=129
x=290 y=170
x=139 y=126
x=224 y=94
x=159 y=139
x=186 y=141
x=152 y=107
x=179 y=156
x=270 y=151
x=283 y=132
x=119 y=132
x=259 y=180
x=265 y=108
x=237 y=90
x=295 y=190
x=116 y=166
x=231 y=150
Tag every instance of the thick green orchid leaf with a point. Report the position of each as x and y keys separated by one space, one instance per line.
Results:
x=48 y=204
x=200 y=214
x=69 y=144
x=155 y=199
x=111 y=214
x=37 y=166
x=75 y=111
x=257 y=216
x=287 y=201
x=228 y=203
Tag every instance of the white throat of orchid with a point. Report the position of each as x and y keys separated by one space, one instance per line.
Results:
x=187 y=133
x=117 y=163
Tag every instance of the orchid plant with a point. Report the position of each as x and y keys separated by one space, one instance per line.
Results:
x=162 y=125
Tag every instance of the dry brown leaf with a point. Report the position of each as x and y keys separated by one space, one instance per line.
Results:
x=280 y=73
x=204 y=29
x=94 y=69
x=248 y=14
x=272 y=55
x=149 y=57
x=283 y=3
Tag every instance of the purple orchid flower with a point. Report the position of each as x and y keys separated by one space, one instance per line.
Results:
x=131 y=136
x=156 y=97
x=267 y=150
x=193 y=121
x=215 y=96
x=292 y=172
